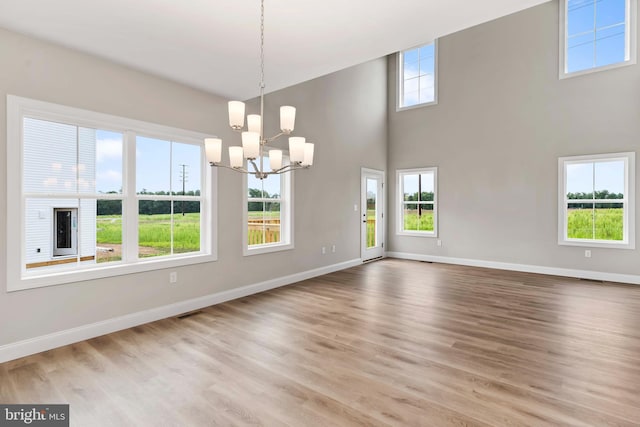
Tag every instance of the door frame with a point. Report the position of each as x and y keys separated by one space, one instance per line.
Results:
x=370 y=254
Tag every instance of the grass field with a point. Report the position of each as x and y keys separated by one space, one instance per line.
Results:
x=154 y=233
x=413 y=222
x=608 y=224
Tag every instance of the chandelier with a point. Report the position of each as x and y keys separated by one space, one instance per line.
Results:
x=254 y=143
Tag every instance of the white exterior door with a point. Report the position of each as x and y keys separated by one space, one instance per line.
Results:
x=372 y=214
x=65 y=228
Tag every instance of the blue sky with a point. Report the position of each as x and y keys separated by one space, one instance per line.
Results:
x=154 y=158
x=608 y=176
x=419 y=75
x=596 y=33
x=158 y=165
x=411 y=183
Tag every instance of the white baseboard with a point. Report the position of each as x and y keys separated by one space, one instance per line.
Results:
x=47 y=342
x=526 y=268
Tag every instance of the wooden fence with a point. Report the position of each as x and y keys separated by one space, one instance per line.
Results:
x=263 y=231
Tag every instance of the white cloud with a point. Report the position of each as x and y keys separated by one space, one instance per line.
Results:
x=110 y=176
x=108 y=149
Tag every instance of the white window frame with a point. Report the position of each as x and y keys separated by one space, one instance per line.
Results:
x=628 y=241
x=286 y=215
x=400 y=173
x=17 y=276
x=630 y=41
x=400 y=79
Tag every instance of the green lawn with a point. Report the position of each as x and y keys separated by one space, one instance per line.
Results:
x=413 y=222
x=155 y=230
x=608 y=224
x=154 y=233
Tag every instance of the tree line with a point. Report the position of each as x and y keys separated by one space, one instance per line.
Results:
x=256 y=193
x=597 y=195
x=152 y=207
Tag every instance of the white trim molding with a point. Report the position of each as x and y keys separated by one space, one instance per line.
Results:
x=524 y=268
x=34 y=345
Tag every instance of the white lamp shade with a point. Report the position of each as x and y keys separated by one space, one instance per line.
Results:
x=235 y=157
x=287 y=118
x=296 y=149
x=213 y=149
x=254 y=122
x=236 y=114
x=275 y=159
x=251 y=144
x=308 y=154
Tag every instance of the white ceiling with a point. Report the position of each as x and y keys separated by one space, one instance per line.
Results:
x=214 y=44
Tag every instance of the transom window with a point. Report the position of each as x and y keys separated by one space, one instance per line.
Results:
x=597 y=34
x=99 y=195
x=268 y=212
x=417 y=76
x=418 y=212
x=596 y=199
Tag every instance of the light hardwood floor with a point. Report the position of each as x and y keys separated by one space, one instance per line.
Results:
x=384 y=344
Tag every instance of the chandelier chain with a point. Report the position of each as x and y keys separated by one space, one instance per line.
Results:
x=262 y=44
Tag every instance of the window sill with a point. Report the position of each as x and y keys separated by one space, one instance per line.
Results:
x=597 y=244
x=79 y=274
x=566 y=75
x=268 y=248
x=413 y=107
x=417 y=233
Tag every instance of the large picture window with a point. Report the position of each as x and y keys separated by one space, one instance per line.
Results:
x=418 y=214
x=596 y=35
x=596 y=199
x=95 y=196
x=268 y=213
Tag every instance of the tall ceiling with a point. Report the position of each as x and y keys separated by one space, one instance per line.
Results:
x=213 y=45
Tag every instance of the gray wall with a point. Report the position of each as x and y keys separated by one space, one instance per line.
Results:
x=344 y=114
x=502 y=121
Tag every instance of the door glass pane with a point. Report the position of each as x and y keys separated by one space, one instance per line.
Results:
x=372 y=211
x=63 y=229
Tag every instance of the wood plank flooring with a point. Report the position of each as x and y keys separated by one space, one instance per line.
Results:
x=390 y=343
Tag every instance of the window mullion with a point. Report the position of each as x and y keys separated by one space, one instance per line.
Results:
x=129 y=201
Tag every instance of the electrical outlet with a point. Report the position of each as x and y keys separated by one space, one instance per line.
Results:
x=333 y=248
x=173 y=277
x=587 y=253
x=355 y=208
x=439 y=242
x=324 y=250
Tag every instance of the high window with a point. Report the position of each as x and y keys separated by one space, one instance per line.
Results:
x=418 y=213
x=417 y=76
x=268 y=215
x=596 y=35
x=98 y=195
x=596 y=200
